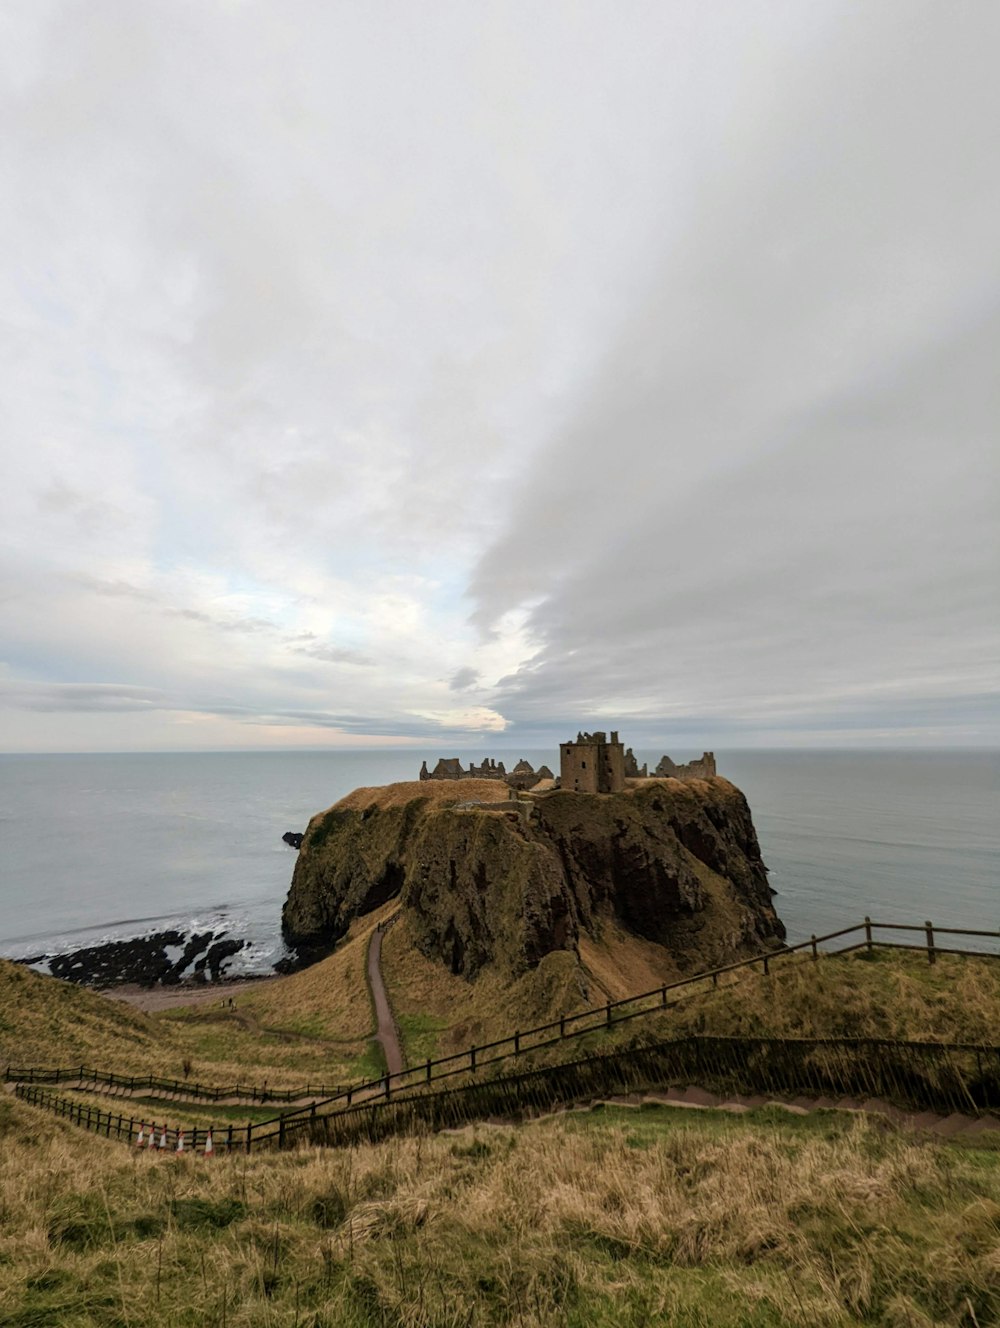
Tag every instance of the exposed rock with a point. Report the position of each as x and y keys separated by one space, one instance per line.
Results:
x=292 y=837
x=144 y=960
x=507 y=882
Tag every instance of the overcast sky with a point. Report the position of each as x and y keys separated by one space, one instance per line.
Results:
x=469 y=373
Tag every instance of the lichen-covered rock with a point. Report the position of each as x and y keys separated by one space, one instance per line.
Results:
x=485 y=880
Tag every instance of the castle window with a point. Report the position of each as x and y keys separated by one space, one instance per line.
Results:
x=583 y=765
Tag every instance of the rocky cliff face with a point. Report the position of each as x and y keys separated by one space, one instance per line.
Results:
x=505 y=883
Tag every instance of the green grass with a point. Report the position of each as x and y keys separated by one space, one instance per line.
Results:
x=420 y=1035
x=369 y=1065
x=617 y=1218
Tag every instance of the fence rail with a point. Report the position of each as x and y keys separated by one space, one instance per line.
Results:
x=97 y=1080
x=921 y=1076
x=601 y=1017
x=416 y=1079
x=130 y=1128
x=936 y=1077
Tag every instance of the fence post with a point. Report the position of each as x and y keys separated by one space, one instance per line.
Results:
x=868 y=934
x=815 y=952
x=663 y=996
x=249 y=1128
x=929 y=929
x=562 y=1025
x=229 y=1140
x=766 y=969
x=517 y=1042
x=472 y=1058
x=715 y=979
x=608 y=1014
x=387 y=1078
x=428 y=1071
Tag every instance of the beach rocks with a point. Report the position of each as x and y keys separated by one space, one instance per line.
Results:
x=145 y=960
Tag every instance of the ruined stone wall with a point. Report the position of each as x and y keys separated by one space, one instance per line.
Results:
x=699 y=769
x=592 y=764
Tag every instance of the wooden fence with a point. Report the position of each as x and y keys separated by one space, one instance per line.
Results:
x=937 y=1077
x=475 y=1059
x=86 y=1077
x=602 y=1017
x=920 y=1076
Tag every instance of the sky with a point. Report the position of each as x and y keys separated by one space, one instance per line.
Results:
x=461 y=375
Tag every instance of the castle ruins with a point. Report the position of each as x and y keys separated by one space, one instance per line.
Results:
x=593 y=763
x=523 y=776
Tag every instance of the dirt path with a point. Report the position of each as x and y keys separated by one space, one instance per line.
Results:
x=149 y=1000
x=386 y=1034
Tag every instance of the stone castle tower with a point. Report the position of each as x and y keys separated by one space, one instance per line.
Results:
x=592 y=764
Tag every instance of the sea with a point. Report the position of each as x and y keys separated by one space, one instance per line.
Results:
x=107 y=847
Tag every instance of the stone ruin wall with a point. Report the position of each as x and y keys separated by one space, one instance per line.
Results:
x=592 y=764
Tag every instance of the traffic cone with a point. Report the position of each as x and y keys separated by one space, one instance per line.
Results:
x=180 y=1140
x=141 y=1140
x=209 y=1147
x=163 y=1137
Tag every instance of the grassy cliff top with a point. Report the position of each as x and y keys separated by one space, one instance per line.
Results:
x=436 y=792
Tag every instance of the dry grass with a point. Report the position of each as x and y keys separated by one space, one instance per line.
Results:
x=311 y=1027
x=621 y=964
x=329 y=999
x=47 y=1022
x=435 y=792
x=611 y=1219
x=439 y=1012
x=890 y=995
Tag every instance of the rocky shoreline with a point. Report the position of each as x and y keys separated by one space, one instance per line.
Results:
x=145 y=961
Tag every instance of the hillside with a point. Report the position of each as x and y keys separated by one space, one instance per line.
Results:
x=607 y=1219
x=44 y=1021
x=490 y=885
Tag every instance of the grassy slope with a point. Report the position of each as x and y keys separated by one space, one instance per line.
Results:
x=47 y=1022
x=886 y=995
x=314 y=1026
x=616 y=1219
x=890 y=995
x=438 y=1013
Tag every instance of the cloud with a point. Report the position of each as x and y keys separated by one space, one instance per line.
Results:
x=463 y=679
x=359 y=362
x=76 y=697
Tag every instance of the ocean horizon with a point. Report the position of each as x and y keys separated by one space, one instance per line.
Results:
x=109 y=846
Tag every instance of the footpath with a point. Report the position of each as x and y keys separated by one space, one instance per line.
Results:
x=387 y=1033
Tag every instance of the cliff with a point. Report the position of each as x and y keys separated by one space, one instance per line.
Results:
x=505 y=883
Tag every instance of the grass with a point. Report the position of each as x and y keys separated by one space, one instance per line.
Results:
x=311 y=1027
x=618 y=1218
x=887 y=995
x=439 y=1013
x=612 y=1218
x=420 y=1035
x=178 y=1113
